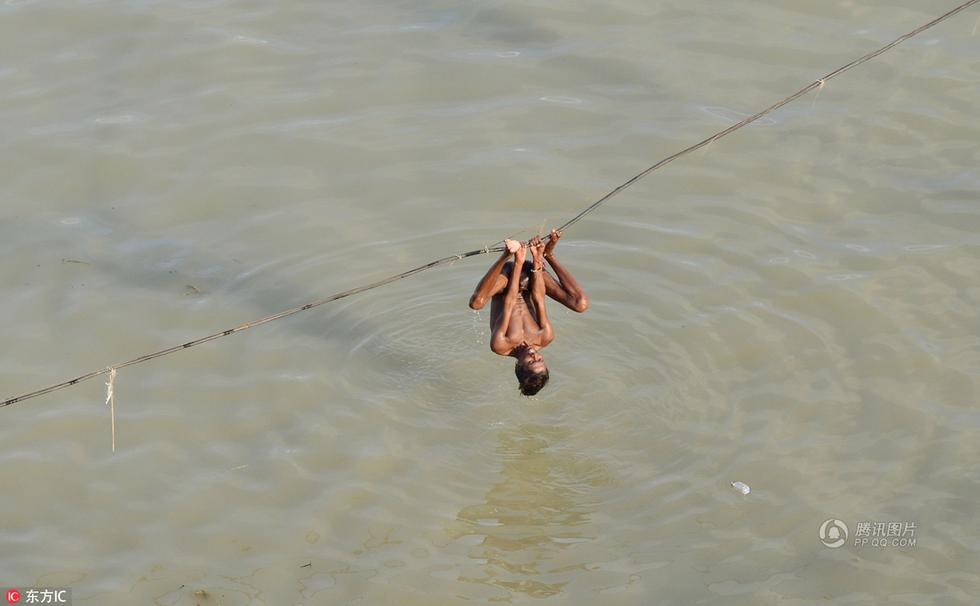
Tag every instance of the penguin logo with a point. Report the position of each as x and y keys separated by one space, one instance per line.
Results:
x=833 y=533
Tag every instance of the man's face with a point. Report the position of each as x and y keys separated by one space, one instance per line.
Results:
x=532 y=361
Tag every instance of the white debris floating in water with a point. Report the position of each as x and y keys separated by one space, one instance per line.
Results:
x=742 y=487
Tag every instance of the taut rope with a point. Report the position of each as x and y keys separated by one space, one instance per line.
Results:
x=816 y=84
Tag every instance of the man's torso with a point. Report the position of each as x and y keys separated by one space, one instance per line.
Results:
x=524 y=326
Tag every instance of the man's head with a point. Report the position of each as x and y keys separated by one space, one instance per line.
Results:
x=532 y=374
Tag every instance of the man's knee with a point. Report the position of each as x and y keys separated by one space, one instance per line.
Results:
x=581 y=303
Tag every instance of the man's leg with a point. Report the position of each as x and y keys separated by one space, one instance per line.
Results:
x=494 y=282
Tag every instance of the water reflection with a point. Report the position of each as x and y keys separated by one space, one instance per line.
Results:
x=524 y=535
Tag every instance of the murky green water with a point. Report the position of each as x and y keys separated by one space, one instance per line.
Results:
x=793 y=307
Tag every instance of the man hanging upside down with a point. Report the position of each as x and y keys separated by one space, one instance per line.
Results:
x=519 y=323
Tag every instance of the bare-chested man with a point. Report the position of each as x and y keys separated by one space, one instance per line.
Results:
x=519 y=322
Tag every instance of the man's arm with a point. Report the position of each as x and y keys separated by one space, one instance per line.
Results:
x=499 y=342
x=547 y=334
x=573 y=296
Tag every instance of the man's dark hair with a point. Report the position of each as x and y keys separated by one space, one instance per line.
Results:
x=531 y=382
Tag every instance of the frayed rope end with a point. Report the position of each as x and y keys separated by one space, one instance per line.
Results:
x=110 y=399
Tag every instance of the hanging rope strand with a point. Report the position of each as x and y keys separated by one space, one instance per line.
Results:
x=497 y=247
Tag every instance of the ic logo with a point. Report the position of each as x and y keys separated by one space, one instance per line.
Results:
x=833 y=533
x=13 y=596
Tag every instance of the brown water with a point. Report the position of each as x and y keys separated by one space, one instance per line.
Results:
x=793 y=307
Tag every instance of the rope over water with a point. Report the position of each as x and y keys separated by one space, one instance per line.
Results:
x=816 y=84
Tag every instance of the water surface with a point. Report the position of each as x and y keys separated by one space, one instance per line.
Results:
x=793 y=307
